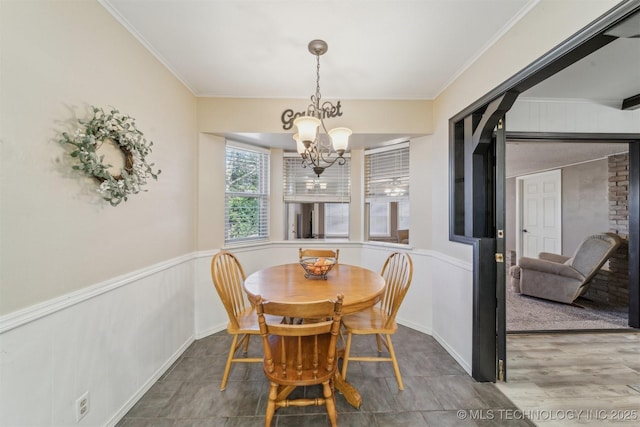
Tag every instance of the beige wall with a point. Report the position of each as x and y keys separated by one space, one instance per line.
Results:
x=220 y=115
x=57 y=235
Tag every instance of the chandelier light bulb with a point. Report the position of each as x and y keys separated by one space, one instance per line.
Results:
x=340 y=139
x=299 y=144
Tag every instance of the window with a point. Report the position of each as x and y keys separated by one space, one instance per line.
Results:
x=403 y=215
x=379 y=219
x=316 y=207
x=386 y=181
x=303 y=186
x=336 y=219
x=246 y=193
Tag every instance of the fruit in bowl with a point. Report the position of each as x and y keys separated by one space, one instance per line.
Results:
x=317 y=267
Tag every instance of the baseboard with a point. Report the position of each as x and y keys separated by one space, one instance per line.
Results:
x=452 y=352
x=210 y=331
x=415 y=326
x=149 y=383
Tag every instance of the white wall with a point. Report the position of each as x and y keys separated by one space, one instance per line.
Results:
x=113 y=339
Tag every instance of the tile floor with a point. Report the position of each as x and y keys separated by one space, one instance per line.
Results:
x=438 y=392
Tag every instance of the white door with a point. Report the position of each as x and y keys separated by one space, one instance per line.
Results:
x=539 y=220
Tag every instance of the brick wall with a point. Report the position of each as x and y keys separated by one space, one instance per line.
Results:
x=611 y=286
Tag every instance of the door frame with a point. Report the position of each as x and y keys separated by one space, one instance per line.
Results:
x=520 y=209
x=463 y=214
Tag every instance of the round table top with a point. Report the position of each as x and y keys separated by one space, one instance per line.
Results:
x=361 y=287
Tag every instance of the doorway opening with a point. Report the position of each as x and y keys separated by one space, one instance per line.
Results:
x=592 y=179
x=477 y=168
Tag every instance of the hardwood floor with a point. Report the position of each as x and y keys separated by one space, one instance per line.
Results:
x=575 y=379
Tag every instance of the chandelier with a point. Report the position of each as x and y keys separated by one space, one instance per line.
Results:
x=317 y=152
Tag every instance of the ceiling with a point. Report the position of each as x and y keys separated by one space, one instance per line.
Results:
x=523 y=157
x=378 y=49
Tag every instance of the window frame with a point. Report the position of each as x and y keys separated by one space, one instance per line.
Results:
x=261 y=194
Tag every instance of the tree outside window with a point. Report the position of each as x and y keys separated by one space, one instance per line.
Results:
x=246 y=194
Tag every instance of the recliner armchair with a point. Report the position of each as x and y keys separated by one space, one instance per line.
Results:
x=559 y=278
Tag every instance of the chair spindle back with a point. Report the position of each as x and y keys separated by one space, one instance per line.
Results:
x=303 y=351
x=397 y=272
x=228 y=277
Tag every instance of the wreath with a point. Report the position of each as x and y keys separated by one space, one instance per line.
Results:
x=118 y=130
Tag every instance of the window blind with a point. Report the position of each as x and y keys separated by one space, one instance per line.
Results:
x=301 y=185
x=336 y=219
x=246 y=194
x=386 y=174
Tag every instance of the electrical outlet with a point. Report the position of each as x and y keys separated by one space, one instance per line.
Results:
x=82 y=406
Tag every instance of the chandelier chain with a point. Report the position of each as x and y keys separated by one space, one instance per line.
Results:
x=316 y=148
x=318 y=95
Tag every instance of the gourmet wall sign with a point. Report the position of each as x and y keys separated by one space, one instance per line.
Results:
x=328 y=110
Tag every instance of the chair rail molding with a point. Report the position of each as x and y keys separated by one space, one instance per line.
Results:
x=29 y=314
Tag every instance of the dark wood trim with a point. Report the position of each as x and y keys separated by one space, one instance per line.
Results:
x=483 y=357
x=573 y=137
x=634 y=234
x=470 y=186
x=483 y=133
x=631 y=103
x=576 y=47
x=500 y=221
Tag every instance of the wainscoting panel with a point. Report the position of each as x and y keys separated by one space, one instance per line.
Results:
x=452 y=309
x=579 y=116
x=114 y=342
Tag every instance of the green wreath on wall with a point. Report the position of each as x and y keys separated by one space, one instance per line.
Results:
x=111 y=149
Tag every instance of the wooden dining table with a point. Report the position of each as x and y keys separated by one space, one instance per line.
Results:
x=362 y=288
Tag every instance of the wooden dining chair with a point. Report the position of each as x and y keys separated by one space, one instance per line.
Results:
x=380 y=320
x=300 y=354
x=228 y=278
x=317 y=253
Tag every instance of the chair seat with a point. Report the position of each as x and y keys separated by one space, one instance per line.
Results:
x=380 y=320
x=372 y=320
x=248 y=322
x=289 y=376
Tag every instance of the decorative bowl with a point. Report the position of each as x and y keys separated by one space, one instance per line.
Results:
x=317 y=268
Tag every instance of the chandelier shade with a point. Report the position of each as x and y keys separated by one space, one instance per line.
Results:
x=318 y=148
x=307 y=128
x=340 y=139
